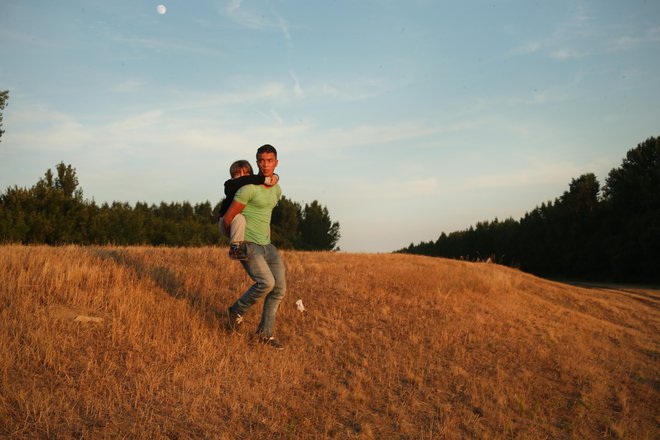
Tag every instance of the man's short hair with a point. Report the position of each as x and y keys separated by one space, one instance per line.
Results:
x=239 y=166
x=266 y=149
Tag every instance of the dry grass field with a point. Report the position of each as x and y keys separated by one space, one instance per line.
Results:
x=110 y=342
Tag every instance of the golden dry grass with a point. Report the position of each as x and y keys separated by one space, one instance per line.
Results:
x=391 y=346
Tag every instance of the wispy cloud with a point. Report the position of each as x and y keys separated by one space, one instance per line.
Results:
x=548 y=48
x=297 y=89
x=154 y=44
x=578 y=23
x=389 y=189
x=580 y=36
x=276 y=116
x=354 y=89
x=252 y=17
x=628 y=42
x=545 y=96
x=138 y=122
x=233 y=6
x=30 y=39
x=39 y=128
x=380 y=134
x=249 y=17
x=128 y=86
x=161 y=129
x=566 y=41
x=415 y=187
x=534 y=174
x=283 y=24
x=258 y=93
x=526 y=49
x=566 y=54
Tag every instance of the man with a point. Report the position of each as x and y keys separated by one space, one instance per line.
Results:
x=263 y=263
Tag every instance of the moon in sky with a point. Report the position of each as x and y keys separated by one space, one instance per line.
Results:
x=161 y=9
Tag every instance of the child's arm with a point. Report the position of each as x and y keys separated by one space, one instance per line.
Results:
x=252 y=179
x=233 y=185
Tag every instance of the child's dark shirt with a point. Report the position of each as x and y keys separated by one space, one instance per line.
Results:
x=233 y=185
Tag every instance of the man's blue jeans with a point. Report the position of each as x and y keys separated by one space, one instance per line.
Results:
x=266 y=268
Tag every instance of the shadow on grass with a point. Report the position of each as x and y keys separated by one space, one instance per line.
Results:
x=167 y=281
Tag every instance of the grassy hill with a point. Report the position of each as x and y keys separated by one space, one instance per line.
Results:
x=126 y=342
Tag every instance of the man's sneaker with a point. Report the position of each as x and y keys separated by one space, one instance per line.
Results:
x=272 y=342
x=234 y=320
x=238 y=251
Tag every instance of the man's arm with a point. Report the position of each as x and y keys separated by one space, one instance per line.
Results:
x=234 y=208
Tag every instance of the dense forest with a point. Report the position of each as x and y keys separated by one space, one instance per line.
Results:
x=53 y=211
x=586 y=233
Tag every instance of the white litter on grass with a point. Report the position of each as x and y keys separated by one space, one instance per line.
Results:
x=300 y=306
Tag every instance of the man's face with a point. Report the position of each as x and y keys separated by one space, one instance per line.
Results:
x=267 y=162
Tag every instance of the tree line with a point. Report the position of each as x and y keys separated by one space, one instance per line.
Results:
x=53 y=211
x=586 y=233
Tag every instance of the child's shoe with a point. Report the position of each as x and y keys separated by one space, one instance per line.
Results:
x=238 y=251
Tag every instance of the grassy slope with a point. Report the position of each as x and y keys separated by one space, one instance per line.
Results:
x=391 y=346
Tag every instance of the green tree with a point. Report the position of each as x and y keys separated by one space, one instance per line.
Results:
x=66 y=181
x=582 y=194
x=317 y=231
x=204 y=212
x=632 y=206
x=4 y=97
x=285 y=224
x=60 y=214
x=577 y=223
x=635 y=185
x=15 y=206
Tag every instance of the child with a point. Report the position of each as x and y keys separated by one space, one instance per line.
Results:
x=241 y=174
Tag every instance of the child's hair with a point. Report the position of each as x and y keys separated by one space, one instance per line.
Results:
x=238 y=166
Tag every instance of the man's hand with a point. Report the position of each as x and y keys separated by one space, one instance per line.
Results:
x=234 y=208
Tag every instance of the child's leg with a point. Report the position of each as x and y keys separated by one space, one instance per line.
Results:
x=237 y=229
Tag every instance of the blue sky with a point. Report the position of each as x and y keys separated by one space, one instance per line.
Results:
x=404 y=118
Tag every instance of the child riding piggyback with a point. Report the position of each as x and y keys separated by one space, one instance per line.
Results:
x=241 y=174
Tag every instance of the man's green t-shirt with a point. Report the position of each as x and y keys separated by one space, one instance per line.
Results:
x=259 y=202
